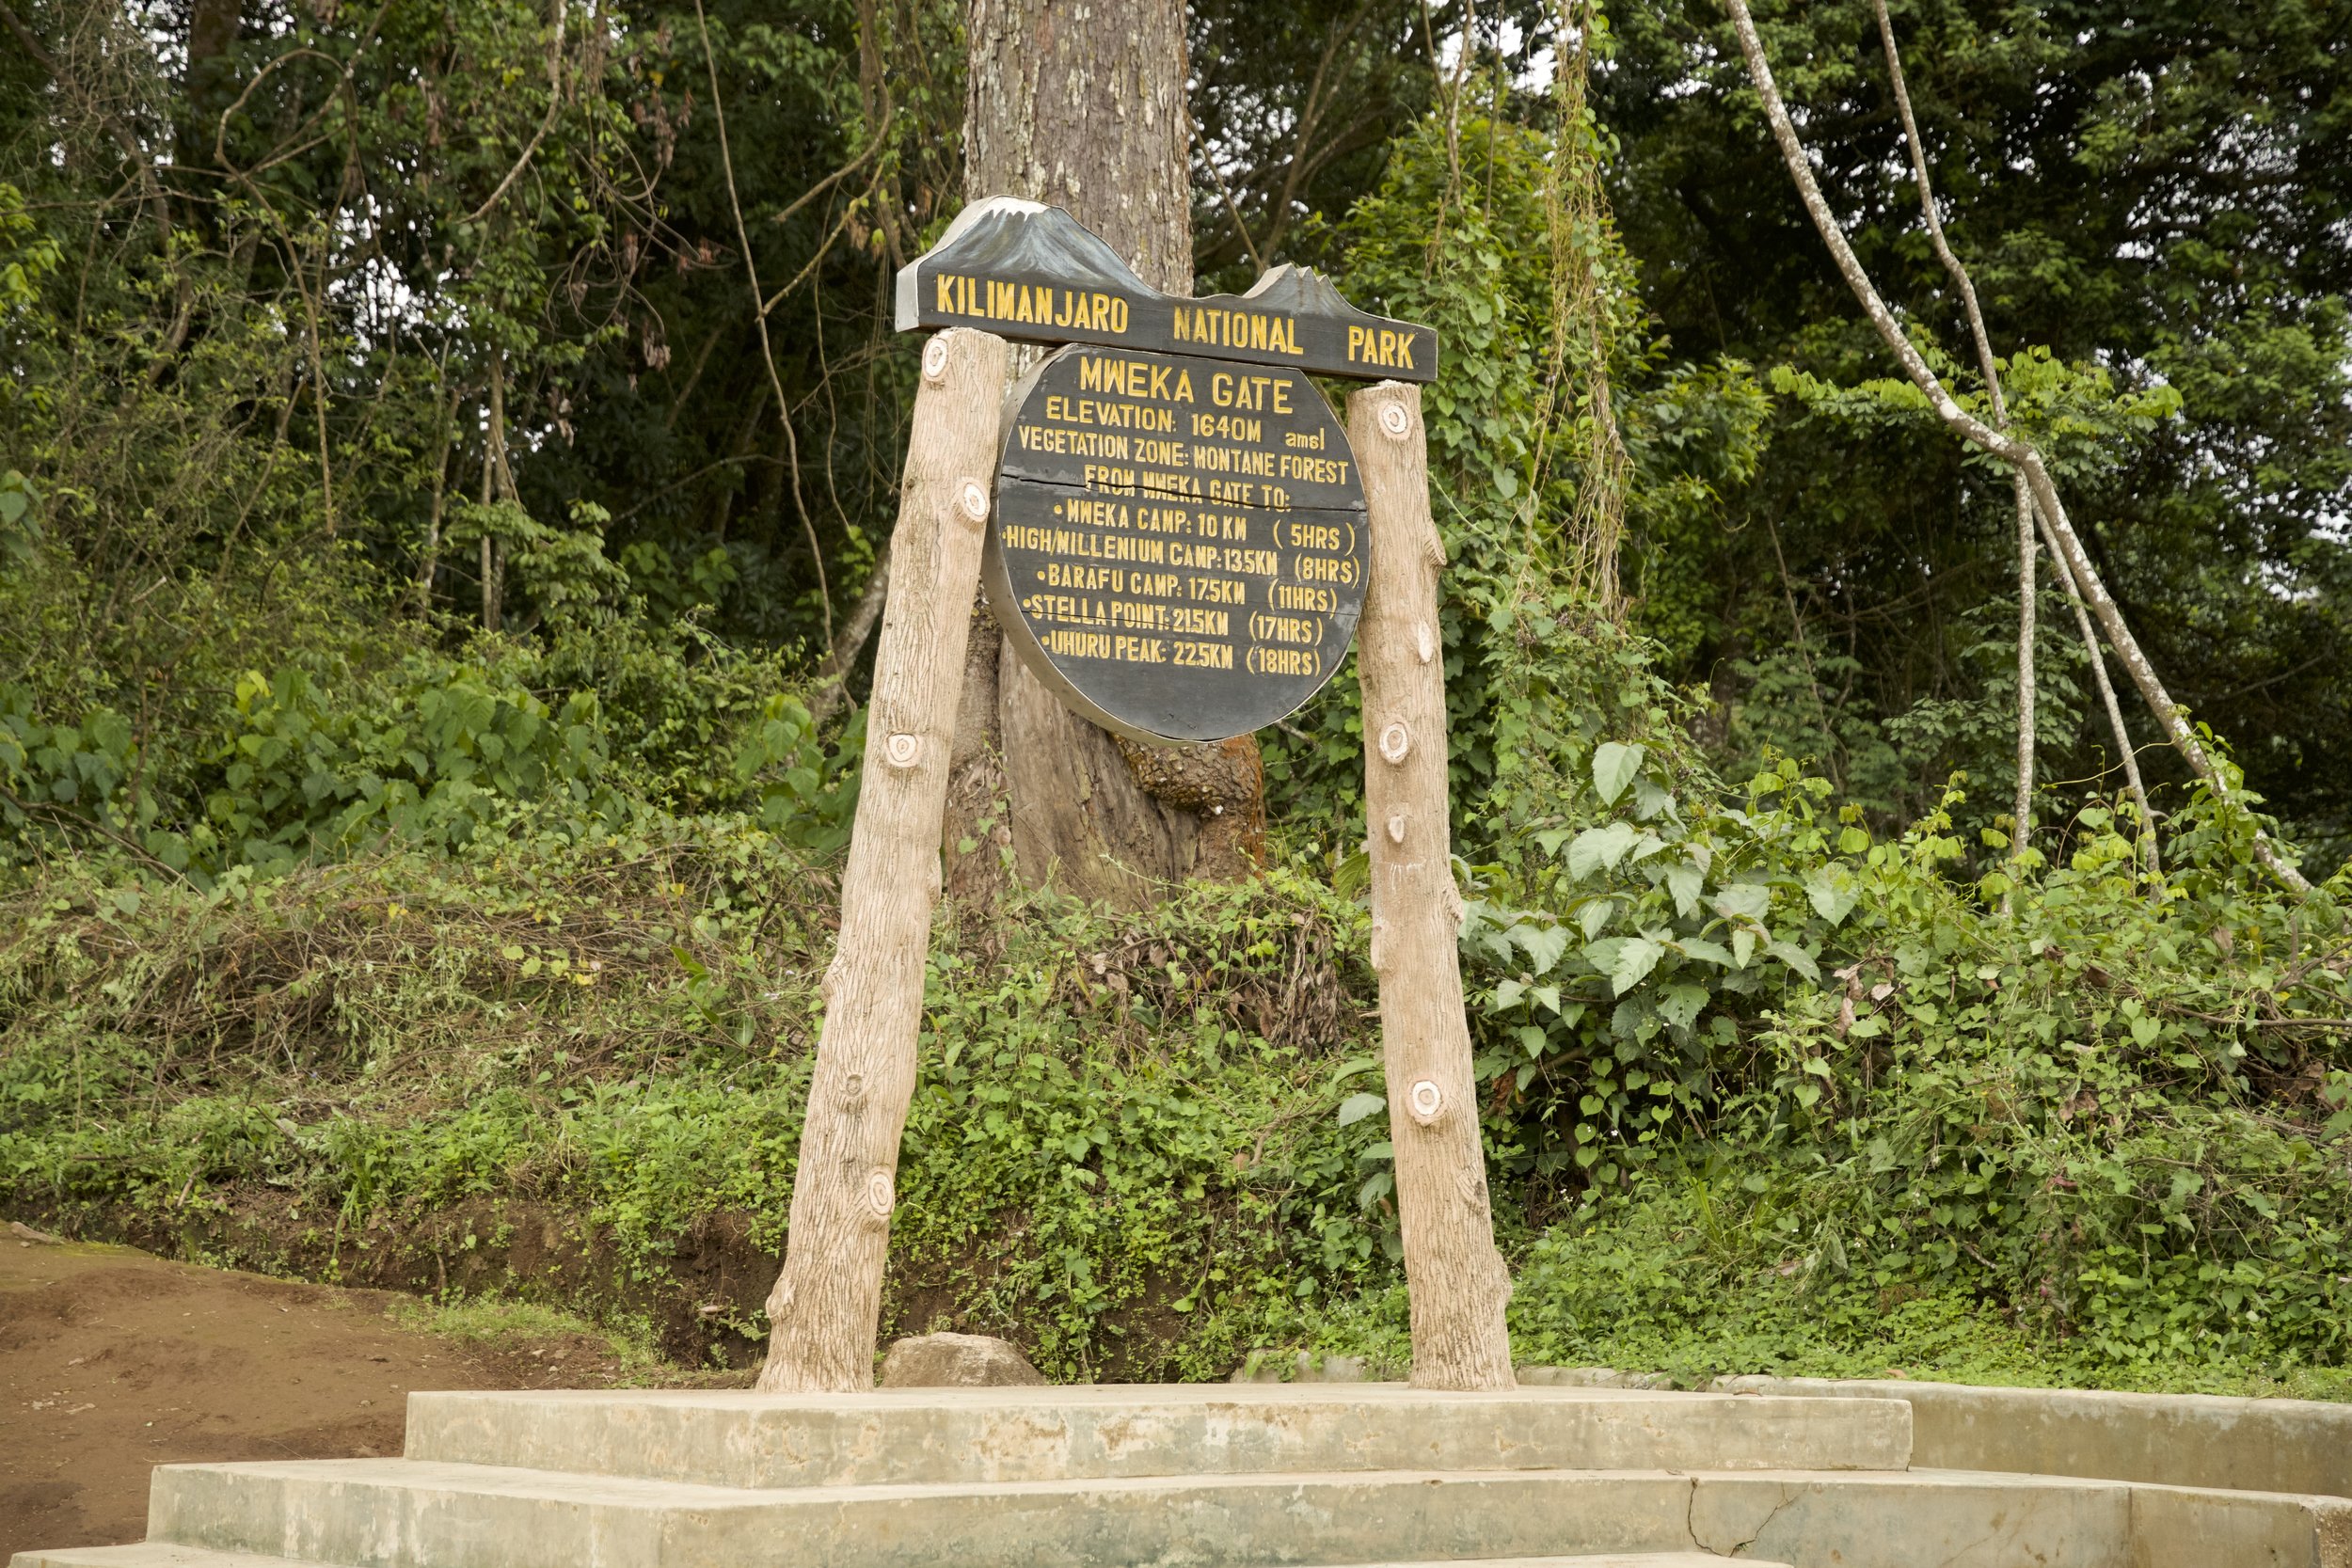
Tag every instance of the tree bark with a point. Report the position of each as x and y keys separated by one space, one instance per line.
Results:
x=2025 y=684
x=1084 y=108
x=1455 y=1281
x=827 y=1302
x=2124 y=751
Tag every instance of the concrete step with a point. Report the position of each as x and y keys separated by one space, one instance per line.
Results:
x=2198 y=1440
x=416 y=1514
x=1607 y=1560
x=149 y=1554
x=928 y=1437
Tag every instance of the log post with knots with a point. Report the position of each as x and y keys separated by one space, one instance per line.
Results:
x=1456 y=1280
x=827 y=1303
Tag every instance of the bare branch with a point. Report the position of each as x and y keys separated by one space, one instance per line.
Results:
x=555 y=108
x=1231 y=210
x=1935 y=222
x=2009 y=448
x=2124 y=747
x=760 y=319
x=121 y=134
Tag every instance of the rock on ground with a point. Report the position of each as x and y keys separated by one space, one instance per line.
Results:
x=956 y=1361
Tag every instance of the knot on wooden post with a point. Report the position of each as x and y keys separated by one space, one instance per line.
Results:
x=1394 y=422
x=1425 y=642
x=973 y=502
x=1425 y=1100
x=1396 y=828
x=936 y=358
x=1396 y=742
x=904 y=750
x=879 y=1193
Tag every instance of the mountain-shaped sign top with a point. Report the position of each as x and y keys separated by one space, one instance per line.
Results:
x=1021 y=269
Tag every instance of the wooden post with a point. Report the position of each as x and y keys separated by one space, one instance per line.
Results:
x=1455 y=1279
x=828 y=1300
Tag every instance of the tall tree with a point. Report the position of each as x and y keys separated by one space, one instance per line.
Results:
x=2147 y=190
x=1087 y=112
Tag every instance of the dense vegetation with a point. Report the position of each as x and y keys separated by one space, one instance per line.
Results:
x=425 y=600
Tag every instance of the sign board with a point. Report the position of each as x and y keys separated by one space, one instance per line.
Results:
x=1179 y=549
x=1023 y=270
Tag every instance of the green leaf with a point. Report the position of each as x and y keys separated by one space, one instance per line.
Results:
x=1833 y=891
x=1743 y=902
x=1649 y=799
x=1685 y=881
x=1708 y=952
x=1614 y=767
x=1633 y=962
x=1601 y=849
x=1543 y=944
x=1679 y=1003
x=1356 y=1107
x=1797 y=959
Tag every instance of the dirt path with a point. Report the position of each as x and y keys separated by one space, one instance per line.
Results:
x=113 y=1361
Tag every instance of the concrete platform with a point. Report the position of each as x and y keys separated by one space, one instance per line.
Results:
x=2200 y=1440
x=432 y=1514
x=937 y=1436
x=1225 y=1476
x=148 y=1555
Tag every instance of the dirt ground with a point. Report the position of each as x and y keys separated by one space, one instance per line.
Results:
x=113 y=1361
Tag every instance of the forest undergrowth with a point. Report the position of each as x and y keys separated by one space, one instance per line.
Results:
x=2104 y=1138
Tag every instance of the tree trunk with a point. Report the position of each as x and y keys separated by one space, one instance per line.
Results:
x=1455 y=1280
x=2026 y=683
x=828 y=1300
x=209 y=85
x=1083 y=107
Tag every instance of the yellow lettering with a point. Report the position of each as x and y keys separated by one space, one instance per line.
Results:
x=1281 y=397
x=1183 y=387
x=945 y=284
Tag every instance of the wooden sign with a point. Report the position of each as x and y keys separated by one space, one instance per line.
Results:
x=1021 y=270
x=1179 y=549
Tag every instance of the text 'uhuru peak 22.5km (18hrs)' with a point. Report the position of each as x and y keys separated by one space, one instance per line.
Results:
x=1179 y=547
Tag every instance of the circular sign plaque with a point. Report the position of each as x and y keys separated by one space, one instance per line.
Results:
x=1179 y=549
